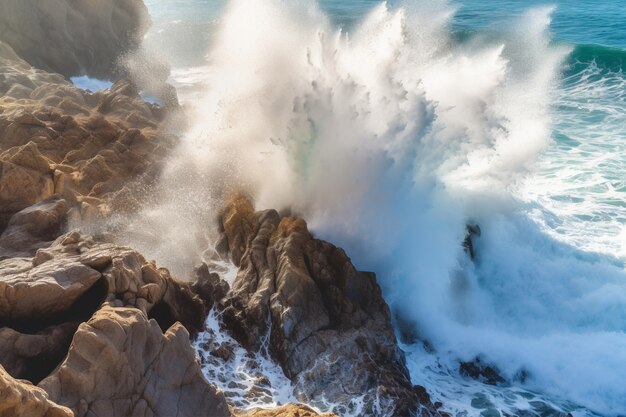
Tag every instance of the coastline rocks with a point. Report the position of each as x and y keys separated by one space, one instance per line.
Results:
x=120 y=363
x=88 y=147
x=75 y=274
x=330 y=329
x=21 y=399
x=209 y=286
x=78 y=37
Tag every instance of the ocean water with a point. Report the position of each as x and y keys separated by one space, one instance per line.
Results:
x=390 y=127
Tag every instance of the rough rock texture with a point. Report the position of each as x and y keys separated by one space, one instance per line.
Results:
x=73 y=37
x=121 y=364
x=87 y=147
x=21 y=399
x=330 y=328
x=289 y=410
x=75 y=275
x=209 y=286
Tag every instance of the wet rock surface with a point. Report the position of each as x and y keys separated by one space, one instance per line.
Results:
x=481 y=371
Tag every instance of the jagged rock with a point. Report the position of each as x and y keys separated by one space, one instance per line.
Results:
x=88 y=147
x=21 y=399
x=330 y=327
x=289 y=410
x=471 y=231
x=209 y=286
x=481 y=371
x=74 y=37
x=121 y=364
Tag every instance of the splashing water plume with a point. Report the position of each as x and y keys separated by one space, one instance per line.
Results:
x=389 y=139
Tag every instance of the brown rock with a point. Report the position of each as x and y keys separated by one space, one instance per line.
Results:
x=86 y=146
x=209 y=286
x=30 y=292
x=34 y=227
x=120 y=364
x=75 y=274
x=21 y=399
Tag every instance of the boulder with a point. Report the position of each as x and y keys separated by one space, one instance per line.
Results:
x=330 y=329
x=481 y=371
x=121 y=364
x=74 y=37
x=38 y=292
x=34 y=227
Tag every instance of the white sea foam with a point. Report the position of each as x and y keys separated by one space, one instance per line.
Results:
x=247 y=379
x=389 y=139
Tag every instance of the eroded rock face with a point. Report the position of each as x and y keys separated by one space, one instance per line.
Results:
x=121 y=364
x=330 y=328
x=20 y=399
x=87 y=147
x=73 y=37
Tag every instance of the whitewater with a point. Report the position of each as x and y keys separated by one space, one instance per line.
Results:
x=389 y=129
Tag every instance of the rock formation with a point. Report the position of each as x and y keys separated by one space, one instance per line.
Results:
x=75 y=274
x=147 y=373
x=330 y=329
x=73 y=37
x=88 y=147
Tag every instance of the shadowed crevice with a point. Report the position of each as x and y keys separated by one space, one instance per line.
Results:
x=82 y=310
